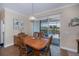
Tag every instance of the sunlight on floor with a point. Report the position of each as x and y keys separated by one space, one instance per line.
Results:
x=55 y=50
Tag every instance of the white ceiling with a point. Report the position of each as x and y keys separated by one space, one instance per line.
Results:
x=26 y=8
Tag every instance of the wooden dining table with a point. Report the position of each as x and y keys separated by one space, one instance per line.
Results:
x=36 y=43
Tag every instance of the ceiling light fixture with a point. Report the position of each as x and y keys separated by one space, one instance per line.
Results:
x=32 y=17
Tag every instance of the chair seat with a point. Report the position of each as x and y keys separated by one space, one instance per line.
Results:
x=26 y=50
x=47 y=49
x=29 y=49
x=43 y=49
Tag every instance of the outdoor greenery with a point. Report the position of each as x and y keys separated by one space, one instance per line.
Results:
x=54 y=29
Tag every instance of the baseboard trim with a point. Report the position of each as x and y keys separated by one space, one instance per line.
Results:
x=8 y=45
x=73 y=50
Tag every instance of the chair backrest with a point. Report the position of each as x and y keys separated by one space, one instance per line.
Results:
x=22 y=34
x=35 y=34
x=21 y=46
x=50 y=42
x=48 y=46
x=41 y=34
x=17 y=38
x=19 y=41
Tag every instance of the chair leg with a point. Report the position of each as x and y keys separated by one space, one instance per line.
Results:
x=50 y=53
x=46 y=53
x=22 y=52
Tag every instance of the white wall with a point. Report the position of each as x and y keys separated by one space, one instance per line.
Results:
x=9 y=32
x=69 y=34
x=28 y=26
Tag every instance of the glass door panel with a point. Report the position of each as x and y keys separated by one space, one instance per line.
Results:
x=54 y=30
x=44 y=26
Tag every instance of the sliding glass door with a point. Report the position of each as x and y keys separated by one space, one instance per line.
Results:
x=51 y=27
x=44 y=26
x=54 y=26
x=54 y=30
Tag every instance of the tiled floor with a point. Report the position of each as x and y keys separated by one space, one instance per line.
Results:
x=55 y=51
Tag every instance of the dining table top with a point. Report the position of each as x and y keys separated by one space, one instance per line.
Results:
x=36 y=43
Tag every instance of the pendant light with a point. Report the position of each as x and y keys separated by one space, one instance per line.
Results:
x=32 y=17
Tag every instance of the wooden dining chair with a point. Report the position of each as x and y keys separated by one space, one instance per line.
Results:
x=49 y=45
x=22 y=34
x=23 y=49
x=35 y=34
x=47 y=49
x=26 y=50
x=41 y=35
x=16 y=38
x=16 y=41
